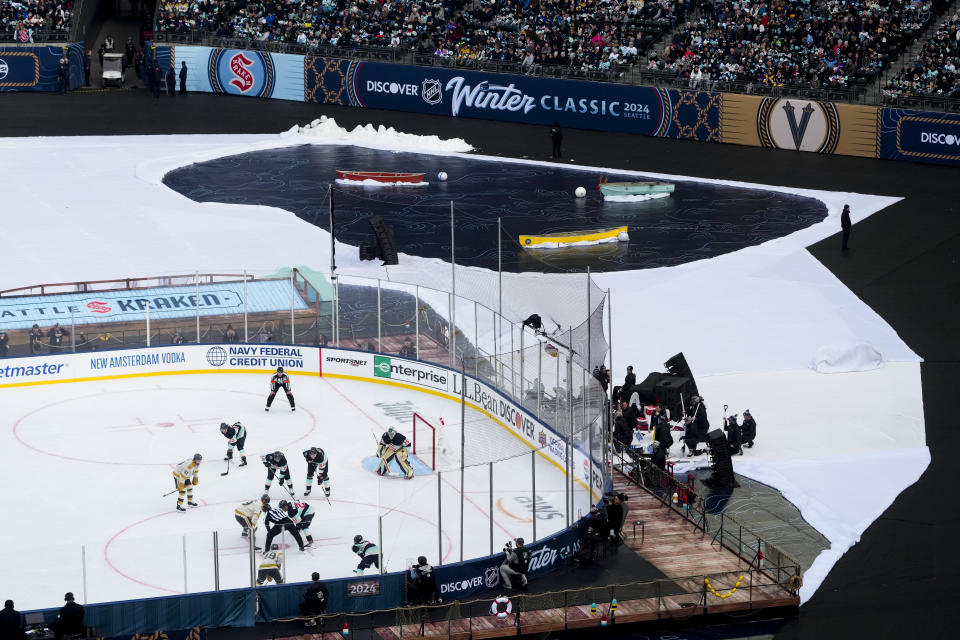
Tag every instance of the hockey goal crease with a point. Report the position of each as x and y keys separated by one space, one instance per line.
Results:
x=435 y=444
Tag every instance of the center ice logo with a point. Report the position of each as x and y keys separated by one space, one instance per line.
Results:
x=239 y=64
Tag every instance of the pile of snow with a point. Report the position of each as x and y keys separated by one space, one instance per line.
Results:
x=327 y=130
x=846 y=358
x=375 y=183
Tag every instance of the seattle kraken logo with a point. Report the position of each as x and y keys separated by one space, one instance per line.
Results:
x=797 y=131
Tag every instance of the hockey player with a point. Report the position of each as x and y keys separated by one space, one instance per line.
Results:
x=280 y=380
x=302 y=515
x=317 y=464
x=186 y=475
x=393 y=444
x=277 y=521
x=248 y=515
x=276 y=464
x=236 y=435
x=269 y=568
x=369 y=554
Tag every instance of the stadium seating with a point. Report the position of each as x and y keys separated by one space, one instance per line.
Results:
x=34 y=20
x=934 y=72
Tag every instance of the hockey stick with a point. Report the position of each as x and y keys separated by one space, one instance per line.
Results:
x=229 y=460
x=170 y=493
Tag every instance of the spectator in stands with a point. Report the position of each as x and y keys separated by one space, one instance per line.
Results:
x=408 y=350
x=315 y=600
x=70 y=620
x=423 y=582
x=183 y=77
x=36 y=339
x=4 y=344
x=231 y=335
x=12 y=626
x=934 y=71
x=83 y=343
x=177 y=337
x=602 y=375
x=748 y=429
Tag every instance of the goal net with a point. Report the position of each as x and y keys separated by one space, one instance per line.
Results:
x=435 y=443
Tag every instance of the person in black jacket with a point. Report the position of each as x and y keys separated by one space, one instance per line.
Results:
x=171 y=82
x=12 y=626
x=629 y=382
x=423 y=582
x=556 y=136
x=697 y=425
x=662 y=430
x=624 y=424
x=845 y=224
x=748 y=429
x=70 y=620
x=616 y=515
x=734 y=435
x=315 y=599
x=156 y=79
x=183 y=77
x=4 y=344
x=595 y=532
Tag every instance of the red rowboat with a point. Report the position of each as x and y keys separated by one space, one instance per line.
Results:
x=380 y=176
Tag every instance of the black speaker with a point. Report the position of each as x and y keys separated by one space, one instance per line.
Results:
x=367 y=251
x=669 y=390
x=386 y=247
x=677 y=365
x=645 y=393
x=720 y=462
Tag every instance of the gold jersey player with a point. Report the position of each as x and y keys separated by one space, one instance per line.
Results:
x=280 y=380
x=270 y=566
x=187 y=475
x=393 y=445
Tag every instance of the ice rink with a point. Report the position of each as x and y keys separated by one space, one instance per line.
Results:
x=93 y=460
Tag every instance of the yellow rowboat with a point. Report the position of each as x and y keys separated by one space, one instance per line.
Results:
x=574 y=238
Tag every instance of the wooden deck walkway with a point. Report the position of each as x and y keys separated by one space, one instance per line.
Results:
x=667 y=541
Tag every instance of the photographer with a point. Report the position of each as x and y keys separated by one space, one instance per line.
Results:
x=70 y=620
x=515 y=563
x=423 y=583
x=616 y=514
x=595 y=529
x=602 y=374
x=314 y=600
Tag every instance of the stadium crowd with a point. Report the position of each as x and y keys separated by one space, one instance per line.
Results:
x=809 y=43
x=934 y=72
x=25 y=20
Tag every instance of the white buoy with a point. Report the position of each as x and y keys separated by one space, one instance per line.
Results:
x=442 y=176
x=623 y=236
x=580 y=192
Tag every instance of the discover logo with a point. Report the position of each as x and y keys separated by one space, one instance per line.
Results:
x=403 y=89
x=940 y=138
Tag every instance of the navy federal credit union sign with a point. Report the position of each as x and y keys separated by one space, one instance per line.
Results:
x=532 y=100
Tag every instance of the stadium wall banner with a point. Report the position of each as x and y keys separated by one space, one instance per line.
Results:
x=36 y=68
x=920 y=136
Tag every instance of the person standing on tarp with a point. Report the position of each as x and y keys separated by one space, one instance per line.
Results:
x=86 y=67
x=556 y=135
x=63 y=71
x=845 y=224
x=171 y=82
x=156 y=79
x=183 y=77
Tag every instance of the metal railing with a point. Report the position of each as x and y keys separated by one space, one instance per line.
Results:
x=40 y=37
x=592 y=606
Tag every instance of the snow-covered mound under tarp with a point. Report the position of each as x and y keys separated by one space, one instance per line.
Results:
x=843 y=358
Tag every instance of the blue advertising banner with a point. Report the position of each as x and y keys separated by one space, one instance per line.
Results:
x=920 y=136
x=36 y=68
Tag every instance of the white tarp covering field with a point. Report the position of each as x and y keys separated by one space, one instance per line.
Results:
x=755 y=325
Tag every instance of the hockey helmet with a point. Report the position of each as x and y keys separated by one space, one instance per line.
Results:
x=279 y=369
x=274 y=547
x=391 y=431
x=357 y=539
x=284 y=504
x=265 y=497
x=224 y=425
x=197 y=457
x=314 y=452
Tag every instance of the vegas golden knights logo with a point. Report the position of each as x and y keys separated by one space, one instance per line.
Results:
x=802 y=125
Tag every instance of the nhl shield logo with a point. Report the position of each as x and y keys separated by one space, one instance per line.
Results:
x=491 y=577
x=431 y=92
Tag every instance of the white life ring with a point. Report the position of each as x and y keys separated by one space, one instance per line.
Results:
x=501 y=607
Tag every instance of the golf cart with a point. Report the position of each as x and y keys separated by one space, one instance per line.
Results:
x=112 y=70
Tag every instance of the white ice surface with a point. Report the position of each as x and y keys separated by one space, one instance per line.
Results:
x=96 y=457
x=758 y=311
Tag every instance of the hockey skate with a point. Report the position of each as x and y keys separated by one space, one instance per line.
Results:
x=266 y=408
x=326 y=491
x=308 y=543
x=359 y=572
x=293 y=408
x=243 y=462
x=191 y=503
x=180 y=507
x=306 y=492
